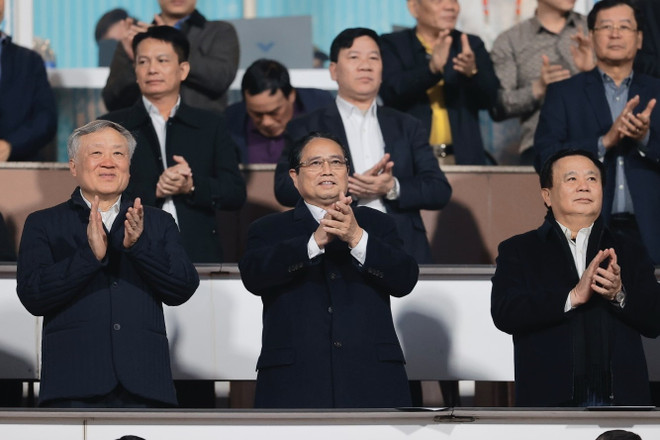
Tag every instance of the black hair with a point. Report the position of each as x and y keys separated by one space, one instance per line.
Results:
x=167 y=34
x=346 y=38
x=618 y=434
x=298 y=146
x=107 y=20
x=265 y=75
x=607 y=4
x=545 y=176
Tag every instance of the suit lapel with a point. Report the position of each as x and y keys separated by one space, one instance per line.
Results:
x=637 y=87
x=387 y=128
x=596 y=98
x=302 y=218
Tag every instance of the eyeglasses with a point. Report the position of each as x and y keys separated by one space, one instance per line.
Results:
x=610 y=28
x=336 y=163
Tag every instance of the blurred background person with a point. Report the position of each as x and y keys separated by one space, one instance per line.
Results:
x=214 y=55
x=257 y=123
x=28 y=115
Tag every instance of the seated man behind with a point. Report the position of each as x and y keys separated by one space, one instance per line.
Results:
x=576 y=297
x=258 y=122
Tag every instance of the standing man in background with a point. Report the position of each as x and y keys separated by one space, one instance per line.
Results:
x=185 y=161
x=28 y=115
x=546 y=48
x=214 y=56
x=441 y=76
x=391 y=166
x=609 y=111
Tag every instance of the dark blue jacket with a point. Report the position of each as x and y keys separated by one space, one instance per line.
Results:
x=28 y=115
x=535 y=273
x=575 y=114
x=423 y=184
x=328 y=337
x=237 y=117
x=103 y=320
x=407 y=77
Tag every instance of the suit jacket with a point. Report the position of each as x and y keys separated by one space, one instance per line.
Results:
x=407 y=77
x=328 y=337
x=237 y=117
x=213 y=61
x=200 y=136
x=103 y=320
x=575 y=114
x=423 y=184
x=646 y=60
x=28 y=115
x=535 y=273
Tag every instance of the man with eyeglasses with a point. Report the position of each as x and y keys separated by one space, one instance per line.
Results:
x=325 y=272
x=392 y=164
x=609 y=111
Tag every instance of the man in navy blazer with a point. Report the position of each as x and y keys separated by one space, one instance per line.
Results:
x=185 y=161
x=98 y=268
x=576 y=297
x=257 y=122
x=609 y=111
x=28 y=115
x=393 y=167
x=434 y=67
x=325 y=272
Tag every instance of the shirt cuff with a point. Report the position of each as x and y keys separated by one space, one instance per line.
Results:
x=313 y=249
x=393 y=194
x=567 y=305
x=359 y=252
x=601 y=148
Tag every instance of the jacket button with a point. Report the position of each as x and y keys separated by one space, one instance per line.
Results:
x=116 y=327
x=115 y=284
x=337 y=344
x=330 y=309
x=333 y=276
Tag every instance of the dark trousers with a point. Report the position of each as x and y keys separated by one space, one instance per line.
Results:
x=117 y=398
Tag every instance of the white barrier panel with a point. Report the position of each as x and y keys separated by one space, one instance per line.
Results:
x=444 y=326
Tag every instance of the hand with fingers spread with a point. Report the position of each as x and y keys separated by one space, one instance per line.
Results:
x=135 y=28
x=176 y=179
x=628 y=124
x=375 y=182
x=134 y=223
x=582 y=51
x=440 y=53
x=340 y=222
x=550 y=73
x=96 y=236
x=465 y=62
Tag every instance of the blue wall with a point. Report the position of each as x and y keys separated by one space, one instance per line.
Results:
x=69 y=24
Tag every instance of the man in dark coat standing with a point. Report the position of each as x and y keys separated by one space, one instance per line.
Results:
x=325 y=273
x=441 y=76
x=576 y=297
x=98 y=268
x=185 y=161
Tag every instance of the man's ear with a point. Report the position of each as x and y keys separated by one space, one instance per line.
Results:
x=185 y=70
x=333 y=71
x=72 y=168
x=294 y=176
x=545 y=194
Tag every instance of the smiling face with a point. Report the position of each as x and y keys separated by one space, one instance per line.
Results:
x=434 y=15
x=620 y=44
x=270 y=112
x=158 y=70
x=576 y=195
x=101 y=165
x=358 y=71
x=325 y=186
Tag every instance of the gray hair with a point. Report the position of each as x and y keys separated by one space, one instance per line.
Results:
x=73 y=143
